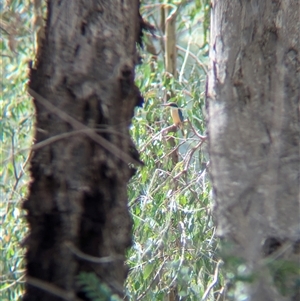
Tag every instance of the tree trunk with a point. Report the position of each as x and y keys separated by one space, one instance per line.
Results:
x=253 y=125
x=84 y=95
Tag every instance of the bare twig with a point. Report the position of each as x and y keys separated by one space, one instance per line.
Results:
x=87 y=257
x=221 y=293
x=191 y=153
x=60 y=137
x=214 y=282
x=174 y=149
x=6 y=27
x=188 y=159
x=151 y=140
x=151 y=283
x=6 y=55
x=185 y=61
x=183 y=245
x=195 y=132
x=21 y=173
x=52 y=289
x=12 y=284
x=13 y=158
x=70 y=134
x=79 y=126
x=202 y=65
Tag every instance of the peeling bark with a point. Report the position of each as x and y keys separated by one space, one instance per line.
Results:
x=253 y=97
x=77 y=204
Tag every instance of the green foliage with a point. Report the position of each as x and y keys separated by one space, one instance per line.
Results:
x=94 y=289
x=174 y=243
x=283 y=272
x=286 y=275
x=17 y=118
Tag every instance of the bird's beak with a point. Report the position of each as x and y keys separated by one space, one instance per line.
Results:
x=165 y=105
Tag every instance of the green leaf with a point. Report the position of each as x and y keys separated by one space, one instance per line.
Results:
x=148 y=270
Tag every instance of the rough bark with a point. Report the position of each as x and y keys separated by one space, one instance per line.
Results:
x=84 y=95
x=254 y=128
x=170 y=42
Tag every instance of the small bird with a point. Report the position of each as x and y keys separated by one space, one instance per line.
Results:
x=176 y=114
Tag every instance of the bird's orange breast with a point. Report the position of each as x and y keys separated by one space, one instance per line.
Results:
x=175 y=116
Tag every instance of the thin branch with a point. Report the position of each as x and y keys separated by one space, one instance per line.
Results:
x=79 y=126
x=5 y=26
x=162 y=183
x=12 y=284
x=174 y=149
x=22 y=172
x=183 y=237
x=221 y=293
x=90 y=258
x=188 y=159
x=52 y=289
x=191 y=153
x=151 y=140
x=60 y=137
x=195 y=132
x=151 y=283
x=13 y=157
x=214 y=282
x=172 y=128
x=202 y=65
x=6 y=55
x=184 y=61
x=70 y=134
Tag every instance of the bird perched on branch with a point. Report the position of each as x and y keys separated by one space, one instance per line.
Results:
x=176 y=115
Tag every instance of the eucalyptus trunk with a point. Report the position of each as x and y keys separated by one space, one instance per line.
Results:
x=84 y=94
x=253 y=105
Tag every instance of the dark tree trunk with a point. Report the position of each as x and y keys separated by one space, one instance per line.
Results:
x=84 y=94
x=254 y=129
